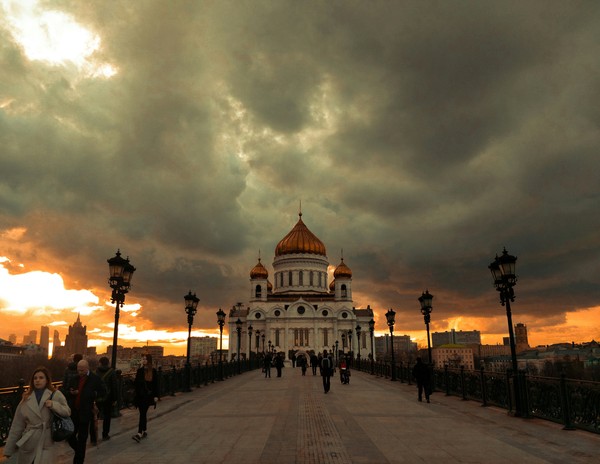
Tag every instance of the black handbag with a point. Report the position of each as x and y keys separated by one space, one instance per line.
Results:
x=62 y=427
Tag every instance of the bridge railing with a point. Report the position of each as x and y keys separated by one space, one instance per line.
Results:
x=573 y=403
x=170 y=382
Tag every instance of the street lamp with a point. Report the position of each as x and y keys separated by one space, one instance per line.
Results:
x=238 y=328
x=262 y=336
x=191 y=305
x=270 y=346
x=249 y=341
x=425 y=299
x=120 y=274
x=505 y=278
x=372 y=332
x=221 y=322
x=358 y=330
x=336 y=351
x=391 y=320
x=344 y=341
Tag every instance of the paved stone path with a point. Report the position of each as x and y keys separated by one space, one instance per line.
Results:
x=249 y=419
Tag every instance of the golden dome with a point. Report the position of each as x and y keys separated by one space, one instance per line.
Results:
x=259 y=271
x=342 y=271
x=300 y=240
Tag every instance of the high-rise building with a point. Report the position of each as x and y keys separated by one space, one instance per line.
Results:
x=44 y=338
x=202 y=347
x=521 y=342
x=467 y=337
x=12 y=338
x=56 y=339
x=77 y=340
x=30 y=338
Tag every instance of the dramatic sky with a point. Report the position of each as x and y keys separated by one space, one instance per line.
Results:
x=421 y=137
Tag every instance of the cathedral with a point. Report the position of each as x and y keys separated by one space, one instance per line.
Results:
x=298 y=311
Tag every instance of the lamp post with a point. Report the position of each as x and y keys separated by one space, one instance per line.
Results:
x=191 y=305
x=425 y=299
x=221 y=322
x=270 y=346
x=344 y=342
x=358 y=331
x=238 y=329
x=249 y=341
x=263 y=342
x=257 y=341
x=336 y=350
x=391 y=320
x=120 y=274
x=505 y=278
x=371 y=332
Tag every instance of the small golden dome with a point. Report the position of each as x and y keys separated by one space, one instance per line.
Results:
x=259 y=271
x=342 y=271
x=269 y=286
x=332 y=285
x=300 y=240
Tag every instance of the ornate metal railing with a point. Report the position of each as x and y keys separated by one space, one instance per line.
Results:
x=573 y=403
x=170 y=381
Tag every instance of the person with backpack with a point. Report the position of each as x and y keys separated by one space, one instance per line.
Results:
x=326 y=371
x=106 y=403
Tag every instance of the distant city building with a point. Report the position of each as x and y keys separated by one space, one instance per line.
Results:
x=453 y=355
x=461 y=337
x=45 y=339
x=521 y=342
x=402 y=344
x=202 y=347
x=77 y=340
x=12 y=338
x=31 y=338
x=486 y=351
x=136 y=352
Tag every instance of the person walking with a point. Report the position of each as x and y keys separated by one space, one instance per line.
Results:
x=326 y=370
x=83 y=392
x=106 y=404
x=146 y=394
x=30 y=437
x=302 y=362
x=267 y=366
x=314 y=363
x=422 y=375
x=279 y=364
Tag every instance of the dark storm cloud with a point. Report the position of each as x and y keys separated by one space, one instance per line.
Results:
x=421 y=137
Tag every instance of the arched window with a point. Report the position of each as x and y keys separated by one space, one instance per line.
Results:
x=258 y=291
x=310 y=279
x=344 y=291
x=281 y=279
x=301 y=278
x=290 y=278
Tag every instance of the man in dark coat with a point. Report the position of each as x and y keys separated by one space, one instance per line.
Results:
x=82 y=392
x=109 y=381
x=326 y=371
x=314 y=363
x=421 y=374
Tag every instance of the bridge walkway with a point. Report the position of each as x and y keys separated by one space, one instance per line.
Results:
x=249 y=419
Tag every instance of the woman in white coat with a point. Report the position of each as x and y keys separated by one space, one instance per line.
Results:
x=30 y=436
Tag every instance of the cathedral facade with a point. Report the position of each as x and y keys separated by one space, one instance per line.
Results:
x=299 y=311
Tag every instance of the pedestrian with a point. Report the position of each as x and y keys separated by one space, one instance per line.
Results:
x=106 y=404
x=314 y=362
x=146 y=394
x=293 y=359
x=326 y=371
x=421 y=373
x=70 y=374
x=30 y=437
x=267 y=366
x=279 y=364
x=83 y=392
x=303 y=363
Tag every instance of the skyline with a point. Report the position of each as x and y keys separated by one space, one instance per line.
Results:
x=420 y=137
